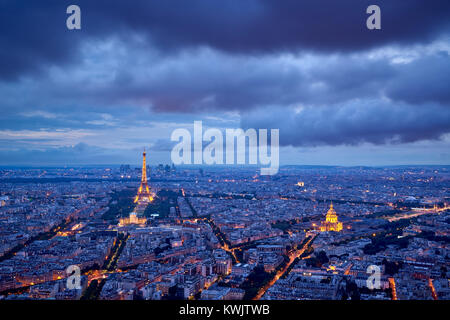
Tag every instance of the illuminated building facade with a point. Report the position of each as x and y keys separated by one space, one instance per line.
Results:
x=331 y=222
x=132 y=219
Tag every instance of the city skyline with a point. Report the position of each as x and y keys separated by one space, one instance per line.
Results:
x=329 y=233
x=183 y=151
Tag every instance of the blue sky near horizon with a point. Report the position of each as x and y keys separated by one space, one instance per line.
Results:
x=339 y=93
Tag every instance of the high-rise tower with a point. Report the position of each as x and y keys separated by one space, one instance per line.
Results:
x=144 y=194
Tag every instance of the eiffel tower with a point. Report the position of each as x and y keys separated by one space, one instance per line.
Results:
x=144 y=194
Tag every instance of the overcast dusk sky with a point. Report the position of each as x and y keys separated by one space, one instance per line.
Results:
x=339 y=93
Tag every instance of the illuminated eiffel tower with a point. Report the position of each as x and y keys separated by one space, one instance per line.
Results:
x=144 y=194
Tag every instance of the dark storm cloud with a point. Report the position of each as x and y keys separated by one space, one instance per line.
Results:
x=33 y=33
x=423 y=80
x=135 y=62
x=354 y=123
x=32 y=36
x=187 y=83
x=344 y=92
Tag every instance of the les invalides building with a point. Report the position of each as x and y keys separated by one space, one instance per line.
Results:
x=331 y=222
